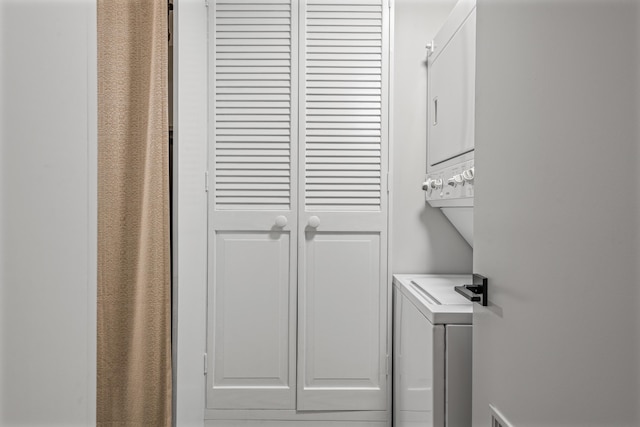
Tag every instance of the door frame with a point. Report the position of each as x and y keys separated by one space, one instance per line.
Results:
x=189 y=209
x=189 y=223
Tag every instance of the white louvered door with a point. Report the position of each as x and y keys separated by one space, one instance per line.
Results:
x=252 y=204
x=342 y=322
x=298 y=205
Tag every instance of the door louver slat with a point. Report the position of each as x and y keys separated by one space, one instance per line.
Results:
x=253 y=105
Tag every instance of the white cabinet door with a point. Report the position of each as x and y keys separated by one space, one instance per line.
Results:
x=252 y=205
x=342 y=319
x=252 y=335
x=298 y=213
x=342 y=276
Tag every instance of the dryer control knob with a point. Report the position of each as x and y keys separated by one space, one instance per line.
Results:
x=468 y=174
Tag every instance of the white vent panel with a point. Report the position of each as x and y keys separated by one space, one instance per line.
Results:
x=343 y=105
x=254 y=105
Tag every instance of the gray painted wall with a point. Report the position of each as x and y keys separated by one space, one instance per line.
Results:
x=423 y=240
x=47 y=213
x=557 y=212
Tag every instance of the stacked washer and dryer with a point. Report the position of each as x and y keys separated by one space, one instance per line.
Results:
x=451 y=118
x=432 y=322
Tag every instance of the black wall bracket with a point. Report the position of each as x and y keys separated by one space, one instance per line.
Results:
x=476 y=292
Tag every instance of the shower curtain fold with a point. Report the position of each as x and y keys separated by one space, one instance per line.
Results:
x=134 y=288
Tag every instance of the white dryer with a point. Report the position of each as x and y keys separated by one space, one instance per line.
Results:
x=432 y=351
x=451 y=64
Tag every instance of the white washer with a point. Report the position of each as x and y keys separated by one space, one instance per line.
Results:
x=432 y=351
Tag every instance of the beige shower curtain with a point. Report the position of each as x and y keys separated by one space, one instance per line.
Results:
x=134 y=288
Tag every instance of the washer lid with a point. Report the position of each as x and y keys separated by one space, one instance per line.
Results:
x=434 y=296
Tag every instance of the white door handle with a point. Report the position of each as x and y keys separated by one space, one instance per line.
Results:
x=281 y=221
x=435 y=111
x=314 y=222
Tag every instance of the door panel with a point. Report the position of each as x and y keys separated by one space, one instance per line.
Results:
x=253 y=54
x=339 y=307
x=343 y=104
x=342 y=332
x=253 y=155
x=558 y=343
x=251 y=315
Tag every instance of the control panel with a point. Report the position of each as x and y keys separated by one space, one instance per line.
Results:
x=452 y=186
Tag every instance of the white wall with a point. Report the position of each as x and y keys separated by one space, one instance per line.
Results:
x=423 y=239
x=47 y=213
x=557 y=209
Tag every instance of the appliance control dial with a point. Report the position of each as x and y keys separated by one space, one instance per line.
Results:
x=468 y=174
x=454 y=183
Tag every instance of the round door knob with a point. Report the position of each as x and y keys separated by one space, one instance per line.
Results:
x=281 y=221
x=314 y=222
